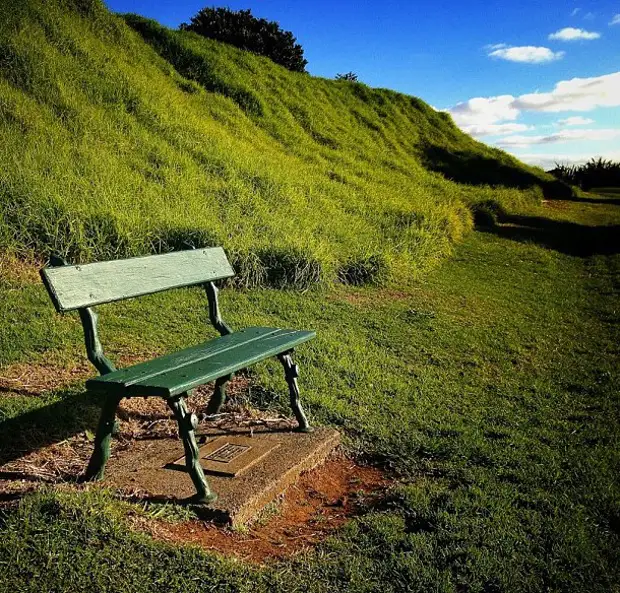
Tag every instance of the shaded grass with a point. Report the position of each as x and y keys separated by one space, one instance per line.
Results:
x=490 y=389
x=135 y=139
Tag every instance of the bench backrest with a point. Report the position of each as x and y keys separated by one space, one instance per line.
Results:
x=76 y=287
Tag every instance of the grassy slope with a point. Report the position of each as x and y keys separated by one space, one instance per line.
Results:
x=491 y=388
x=117 y=143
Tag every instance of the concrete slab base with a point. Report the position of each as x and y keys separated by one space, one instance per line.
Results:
x=247 y=469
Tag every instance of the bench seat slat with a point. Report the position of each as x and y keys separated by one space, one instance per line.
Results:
x=181 y=371
x=141 y=372
x=75 y=287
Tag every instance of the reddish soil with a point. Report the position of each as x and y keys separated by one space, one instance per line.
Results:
x=318 y=504
x=18 y=271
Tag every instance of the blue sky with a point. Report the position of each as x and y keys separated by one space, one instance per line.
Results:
x=539 y=79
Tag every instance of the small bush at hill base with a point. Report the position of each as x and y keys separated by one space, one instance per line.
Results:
x=487 y=213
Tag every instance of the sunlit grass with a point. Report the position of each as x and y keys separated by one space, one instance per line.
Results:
x=489 y=389
x=117 y=143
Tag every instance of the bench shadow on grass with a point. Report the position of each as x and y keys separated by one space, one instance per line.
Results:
x=31 y=431
x=565 y=237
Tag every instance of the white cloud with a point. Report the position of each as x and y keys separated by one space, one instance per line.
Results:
x=572 y=34
x=575 y=11
x=560 y=137
x=615 y=20
x=576 y=120
x=485 y=111
x=589 y=16
x=577 y=94
x=489 y=116
x=478 y=130
x=526 y=54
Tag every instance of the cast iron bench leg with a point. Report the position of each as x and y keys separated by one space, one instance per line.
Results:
x=219 y=395
x=187 y=424
x=101 y=454
x=291 y=372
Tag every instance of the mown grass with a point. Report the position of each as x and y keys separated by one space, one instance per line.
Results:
x=490 y=389
x=120 y=137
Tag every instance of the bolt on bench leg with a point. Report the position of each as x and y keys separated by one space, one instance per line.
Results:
x=219 y=395
x=187 y=424
x=291 y=372
x=101 y=454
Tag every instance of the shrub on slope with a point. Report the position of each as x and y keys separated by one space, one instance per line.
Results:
x=116 y=143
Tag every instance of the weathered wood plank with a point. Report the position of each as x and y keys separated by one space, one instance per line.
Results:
x=74 y=287
x=221 y=356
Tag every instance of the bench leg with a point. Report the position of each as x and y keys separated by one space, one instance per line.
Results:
x=187 y=424
x=101 y=454
x=219 y=395
x=291 y=372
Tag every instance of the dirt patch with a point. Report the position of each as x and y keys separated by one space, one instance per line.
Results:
x=35 y=379
x=54 y=464
x=19 y=272
x=556 y=204
x=367 y=298
x=319 y=503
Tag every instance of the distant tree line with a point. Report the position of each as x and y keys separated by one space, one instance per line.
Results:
x=245 y=31
x=595 y=173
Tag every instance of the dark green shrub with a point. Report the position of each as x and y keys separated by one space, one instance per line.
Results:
x=371 y=269
x=487 y=213
x=595 y=173
x=290 y=268
x=177 y=239
x=348 y=76
x=245 y=31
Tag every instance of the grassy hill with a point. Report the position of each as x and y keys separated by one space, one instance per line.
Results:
x=121 y=137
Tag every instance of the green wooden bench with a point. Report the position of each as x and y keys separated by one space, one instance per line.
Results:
x=171 y=376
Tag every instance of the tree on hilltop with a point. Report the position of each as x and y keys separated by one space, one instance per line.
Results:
x=245 y=31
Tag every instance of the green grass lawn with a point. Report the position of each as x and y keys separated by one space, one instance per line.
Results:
x=489 y=390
